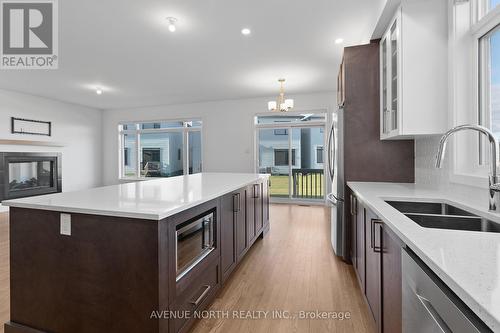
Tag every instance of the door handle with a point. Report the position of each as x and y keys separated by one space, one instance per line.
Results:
x=331 y=152
x=376 y=248
x=202 y=296
x=434 y=314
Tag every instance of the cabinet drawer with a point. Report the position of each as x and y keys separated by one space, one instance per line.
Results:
x=201 y=290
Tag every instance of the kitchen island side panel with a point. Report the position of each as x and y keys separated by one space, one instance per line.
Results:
x=104 y=277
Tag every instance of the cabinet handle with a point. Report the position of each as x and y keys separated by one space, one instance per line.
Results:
x=354 y=201
x=236 y=203
x=256 y=192
x=351 y=203
x=202 y=296
x=375 y=248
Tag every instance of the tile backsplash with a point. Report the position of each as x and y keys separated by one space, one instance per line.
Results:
x=425 y=156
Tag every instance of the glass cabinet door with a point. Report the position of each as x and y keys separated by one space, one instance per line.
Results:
x=384 y=69
x=394 y=38
x=390 y=79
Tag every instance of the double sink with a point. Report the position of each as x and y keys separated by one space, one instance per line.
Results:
x=444 y=216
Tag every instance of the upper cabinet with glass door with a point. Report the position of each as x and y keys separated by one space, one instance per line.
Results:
x=414 y=71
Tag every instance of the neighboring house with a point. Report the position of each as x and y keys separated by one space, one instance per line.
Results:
x=163 y=152
x=307 y=150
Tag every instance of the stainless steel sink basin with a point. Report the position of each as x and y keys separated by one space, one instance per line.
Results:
x=444 y=216
x=470 y=223
x=428 y=208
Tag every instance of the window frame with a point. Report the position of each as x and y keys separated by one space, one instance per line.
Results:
x=137 y=131
x=287 y=158
x=468 y=24
x=322 y=149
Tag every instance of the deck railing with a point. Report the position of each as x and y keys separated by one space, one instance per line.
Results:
x=308 y=183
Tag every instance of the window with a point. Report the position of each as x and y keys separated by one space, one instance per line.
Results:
x=194 y=142
x=126 y=157
x=319 y=155
x=281 y=157
x=489 y=77
x=475 y=65
x=489 y=85
x=129 y=142
x=160 y=149
x=485 y=6
x=281 y=131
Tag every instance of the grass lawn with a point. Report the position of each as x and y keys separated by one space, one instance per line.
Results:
x=279 y=186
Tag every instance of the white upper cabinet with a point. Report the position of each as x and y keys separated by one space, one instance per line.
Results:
x=414 y=71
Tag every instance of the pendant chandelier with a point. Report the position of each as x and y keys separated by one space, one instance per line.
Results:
x=281 y=104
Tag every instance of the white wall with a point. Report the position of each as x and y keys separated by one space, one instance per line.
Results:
x=77 y=128
x=228 y=129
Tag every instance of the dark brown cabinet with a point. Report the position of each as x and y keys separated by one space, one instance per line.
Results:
x=244 y=216
x=360 y=244
x=359 y=95
x=250 y=214
x=232 y=216
x=241 y=224
x=358 y=239
x=259 y=212
x=352 y=225
x=265 y=208
x=376 y=258
x=373 y=264
x=391 y=282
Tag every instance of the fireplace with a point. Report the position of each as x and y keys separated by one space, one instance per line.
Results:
x=29 y=174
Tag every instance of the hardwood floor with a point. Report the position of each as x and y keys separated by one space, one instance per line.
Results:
x=292 y=269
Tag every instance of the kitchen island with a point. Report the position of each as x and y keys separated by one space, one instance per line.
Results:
x=135 y=257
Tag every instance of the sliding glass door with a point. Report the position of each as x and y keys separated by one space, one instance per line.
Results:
x=308 y=172
x=274 y=159
x=291 y=149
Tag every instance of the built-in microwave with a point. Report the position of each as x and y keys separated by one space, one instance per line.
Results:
x=195 y=239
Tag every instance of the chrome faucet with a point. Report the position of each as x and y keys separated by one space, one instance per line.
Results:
x=494 y=184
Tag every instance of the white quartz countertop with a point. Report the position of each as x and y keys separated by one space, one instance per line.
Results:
x=467 y=261
x=153 y=199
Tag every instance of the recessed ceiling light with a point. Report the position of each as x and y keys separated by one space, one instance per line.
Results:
x=339 y=41
x=246 y=31
x=98 y=91
x=171 y=24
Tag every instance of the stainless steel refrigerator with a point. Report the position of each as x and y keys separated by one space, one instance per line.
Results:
x=336 y=172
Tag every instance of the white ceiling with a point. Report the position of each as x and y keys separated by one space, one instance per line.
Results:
x=124 y=47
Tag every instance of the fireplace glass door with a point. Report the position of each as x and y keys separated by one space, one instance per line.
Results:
x=30 y=175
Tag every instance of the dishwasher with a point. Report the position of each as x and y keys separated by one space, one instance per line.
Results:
x=429 y=306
